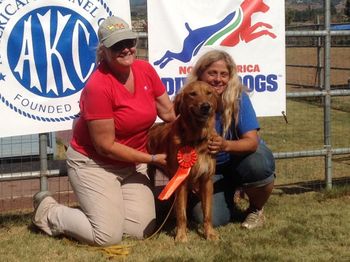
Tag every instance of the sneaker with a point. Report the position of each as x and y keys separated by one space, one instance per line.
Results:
x=254 y=219
x=42 y=202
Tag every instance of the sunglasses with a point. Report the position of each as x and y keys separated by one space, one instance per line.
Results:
x=120 y=46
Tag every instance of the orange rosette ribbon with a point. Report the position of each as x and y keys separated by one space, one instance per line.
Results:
x=186 y=157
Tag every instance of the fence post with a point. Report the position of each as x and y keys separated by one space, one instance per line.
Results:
x=43 y=161
x=319 y=82
x=327 y=97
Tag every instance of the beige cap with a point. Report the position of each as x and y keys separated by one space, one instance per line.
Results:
x=113 y=30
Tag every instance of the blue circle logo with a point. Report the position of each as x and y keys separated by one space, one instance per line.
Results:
x=52 y=51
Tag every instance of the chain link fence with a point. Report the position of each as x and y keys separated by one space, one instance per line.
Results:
x=310 y=140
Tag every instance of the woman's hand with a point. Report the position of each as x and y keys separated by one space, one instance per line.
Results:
x=216 y=144
x=103 y=137
x=158 y=159
x=247 y=143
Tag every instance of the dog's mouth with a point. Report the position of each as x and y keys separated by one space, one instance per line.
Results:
x=202 y=112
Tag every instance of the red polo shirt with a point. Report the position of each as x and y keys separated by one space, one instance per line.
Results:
x=104 y=97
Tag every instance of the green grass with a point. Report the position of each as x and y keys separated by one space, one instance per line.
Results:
x=303 y=132
x=303 y=224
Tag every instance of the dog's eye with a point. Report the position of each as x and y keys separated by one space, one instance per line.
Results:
x=193 y=93
x=209 y=93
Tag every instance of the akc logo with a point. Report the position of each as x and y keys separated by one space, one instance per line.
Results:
x=47 y=53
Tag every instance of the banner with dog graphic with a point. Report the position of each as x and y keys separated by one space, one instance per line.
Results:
x=47 y=53
x=252 y=31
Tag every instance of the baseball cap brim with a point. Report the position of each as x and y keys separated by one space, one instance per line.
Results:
x=117 y=37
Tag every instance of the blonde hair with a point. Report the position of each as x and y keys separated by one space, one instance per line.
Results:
x=231 y=95
x=99 y=53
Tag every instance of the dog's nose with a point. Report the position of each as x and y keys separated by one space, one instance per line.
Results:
x=205 y=108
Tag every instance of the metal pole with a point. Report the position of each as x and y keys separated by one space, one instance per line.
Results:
x=327 y=98
x=319 y=73
x=43 y=161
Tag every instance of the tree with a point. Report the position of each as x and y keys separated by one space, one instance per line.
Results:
x=290 y=15
x=347 y=9
x=333 y=9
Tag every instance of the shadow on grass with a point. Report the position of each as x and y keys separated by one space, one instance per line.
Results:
x=20 y=219
x=166 y=218
x=345 y=160
x=8 y=220
x=311 y=186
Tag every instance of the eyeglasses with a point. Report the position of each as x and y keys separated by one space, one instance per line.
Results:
x=120 y=46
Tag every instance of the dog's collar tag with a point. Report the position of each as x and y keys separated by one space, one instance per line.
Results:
x=186 y=157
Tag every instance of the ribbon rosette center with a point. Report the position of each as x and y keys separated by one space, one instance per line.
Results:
x=186 y=157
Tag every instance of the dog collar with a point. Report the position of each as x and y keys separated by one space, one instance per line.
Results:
x=186 y=157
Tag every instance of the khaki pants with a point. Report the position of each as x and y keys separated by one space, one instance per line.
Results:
x=113 y=202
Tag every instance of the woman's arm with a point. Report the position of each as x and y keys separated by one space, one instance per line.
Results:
x=247 y=127
x=247 y=143
x=103 y=137
x=165 y=108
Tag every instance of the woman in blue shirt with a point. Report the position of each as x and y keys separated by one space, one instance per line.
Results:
x=243 y=160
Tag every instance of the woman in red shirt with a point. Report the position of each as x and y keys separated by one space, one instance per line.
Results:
x=107 y=156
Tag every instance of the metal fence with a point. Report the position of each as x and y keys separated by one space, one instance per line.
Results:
x=325 y=91
x=310 y=141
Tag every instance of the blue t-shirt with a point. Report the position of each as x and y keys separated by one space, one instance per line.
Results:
x=247 y=121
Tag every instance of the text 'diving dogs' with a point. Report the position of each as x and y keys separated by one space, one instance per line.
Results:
x=195 y=106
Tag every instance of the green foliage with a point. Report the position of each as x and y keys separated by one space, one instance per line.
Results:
x=308 y=14
x=290 y=17
x=347 y=9
x=333 y=9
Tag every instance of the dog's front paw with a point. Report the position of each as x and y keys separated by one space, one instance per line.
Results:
x=211 y=234
x=181 y=236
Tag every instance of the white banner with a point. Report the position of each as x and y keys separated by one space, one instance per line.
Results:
x=251 y=31
x=47 y=53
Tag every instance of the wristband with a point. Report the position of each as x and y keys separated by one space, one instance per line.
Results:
x=153 y=158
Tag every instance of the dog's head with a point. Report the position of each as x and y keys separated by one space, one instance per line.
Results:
x=197 y=101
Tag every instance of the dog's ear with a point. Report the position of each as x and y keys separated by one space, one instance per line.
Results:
x=178 y=103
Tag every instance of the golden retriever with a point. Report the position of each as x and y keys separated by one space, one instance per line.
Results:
x=195 y=106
